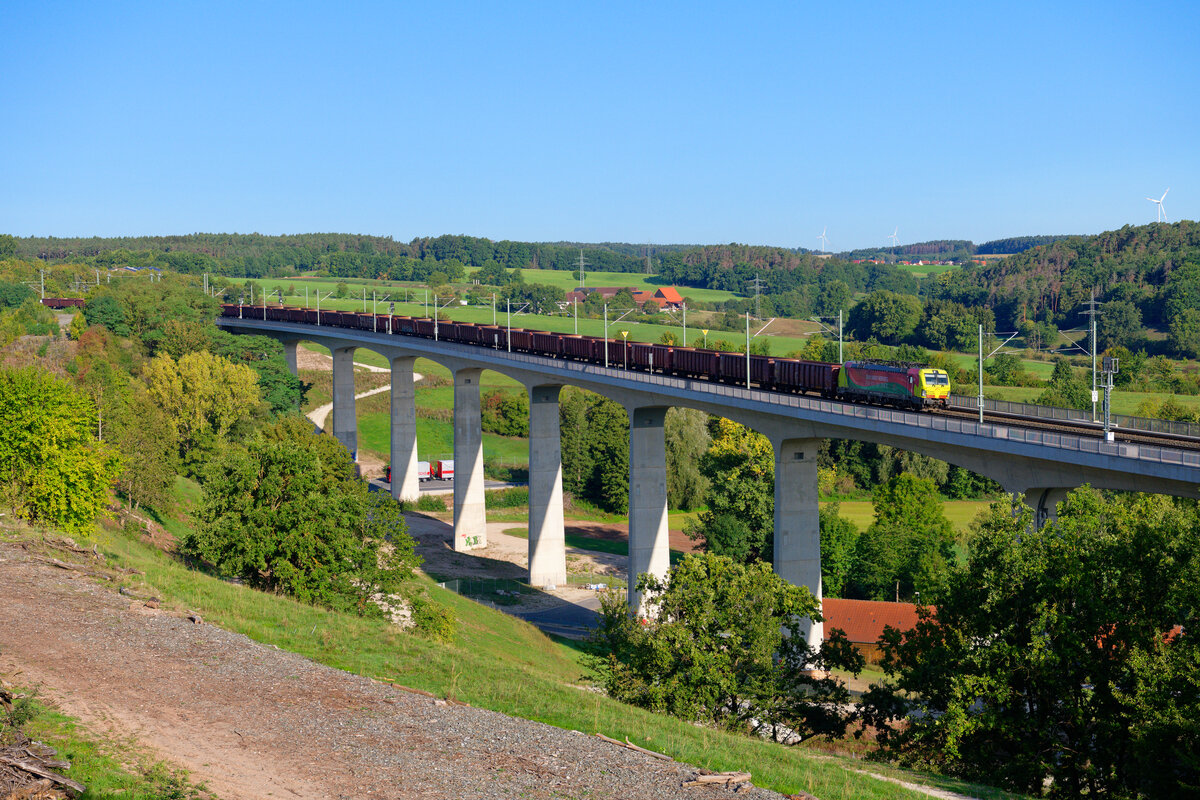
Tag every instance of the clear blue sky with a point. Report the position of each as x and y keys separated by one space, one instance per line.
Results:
x=639 y=122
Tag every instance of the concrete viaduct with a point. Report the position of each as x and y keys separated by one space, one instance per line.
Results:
x=1041 y=465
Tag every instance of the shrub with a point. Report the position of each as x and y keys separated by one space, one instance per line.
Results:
x=432 y=620
x=515 y=497
x=431 y=502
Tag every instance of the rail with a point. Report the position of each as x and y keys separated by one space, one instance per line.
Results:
x=1029 y=436
x=1148 y=424
x=849 y=411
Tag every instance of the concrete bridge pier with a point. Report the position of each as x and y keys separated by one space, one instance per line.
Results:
x=547 y=541
x=1044 y=502
x=345 y=425
x=649 y=551
x=289 y=355
x=797 y=554
x=470 y=520
x=405 y=483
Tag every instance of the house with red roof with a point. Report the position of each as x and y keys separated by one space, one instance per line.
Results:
x=864 y=621
x=665 y=297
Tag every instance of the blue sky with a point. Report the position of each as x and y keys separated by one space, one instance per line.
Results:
x=640 y=122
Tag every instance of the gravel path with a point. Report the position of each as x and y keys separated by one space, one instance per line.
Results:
x=255 y=722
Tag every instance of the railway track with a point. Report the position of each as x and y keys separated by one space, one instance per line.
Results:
x=1076 y=428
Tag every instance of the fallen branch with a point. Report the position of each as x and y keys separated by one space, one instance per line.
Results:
x=715 y=778
x=631 y=746
x=35 y=767
x=54 y=562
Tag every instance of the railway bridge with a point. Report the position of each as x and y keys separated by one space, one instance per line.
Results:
x=1042 y=465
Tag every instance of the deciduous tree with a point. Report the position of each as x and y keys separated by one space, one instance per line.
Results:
x=53 y=470
x=1060 y=659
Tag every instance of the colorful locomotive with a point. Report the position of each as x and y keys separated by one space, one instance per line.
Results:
x=893 y=382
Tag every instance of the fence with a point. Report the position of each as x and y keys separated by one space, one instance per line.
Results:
x=1075 y=415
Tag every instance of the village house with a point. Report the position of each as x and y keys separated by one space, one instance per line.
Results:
x=666 y=297
x=864 y=621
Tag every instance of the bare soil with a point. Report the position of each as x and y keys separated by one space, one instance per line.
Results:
x=255 y=722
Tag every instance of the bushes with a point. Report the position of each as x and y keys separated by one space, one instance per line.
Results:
x=515 y=497
x=430 y=502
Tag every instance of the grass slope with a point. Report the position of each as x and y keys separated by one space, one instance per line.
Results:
x=500 y=663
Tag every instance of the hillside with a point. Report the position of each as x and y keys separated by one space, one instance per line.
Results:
x=1154 y=269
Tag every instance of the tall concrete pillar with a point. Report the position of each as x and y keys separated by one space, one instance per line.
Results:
x=649 y=551
x=289 y=355
x=345 y=425
x=797 y=555
x=470 y=521
x=547 y=542
x=405 y=485
x=1044 y=502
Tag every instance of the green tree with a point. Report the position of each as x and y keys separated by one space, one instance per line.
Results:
x=573 y=440
x=341 y=291
x=886 y=316
x=148 y=439
x=1065 y=389
x=505 y=413
x=687 y=439
x=286 y=513
x=13 y=295
x=740 y=516
x=722 y=643
x=1120 y=323
x=1185 y=332
x=608 y=452
x=1060 y=659
x=908 y=548
x=204 y=397
x=838 y=536
x=834 y=297
x=52 y=468
x=280 y=389
x=106 y=310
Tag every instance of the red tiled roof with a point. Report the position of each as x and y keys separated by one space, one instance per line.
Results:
x=864 y=620
x=670 y=294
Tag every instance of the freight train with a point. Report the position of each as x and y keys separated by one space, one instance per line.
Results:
x=900 y=384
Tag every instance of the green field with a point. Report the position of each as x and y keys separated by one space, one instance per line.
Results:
x=567 y=282
x=921 y=270
x=1122 y=402
x=559 y=323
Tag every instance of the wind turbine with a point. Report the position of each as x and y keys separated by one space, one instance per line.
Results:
x=824 y=241
x=893 y=236
x=1162 y=212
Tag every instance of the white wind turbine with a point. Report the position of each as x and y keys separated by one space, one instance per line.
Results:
x=1162 y=212
x=824 y=241
x=893 y=236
